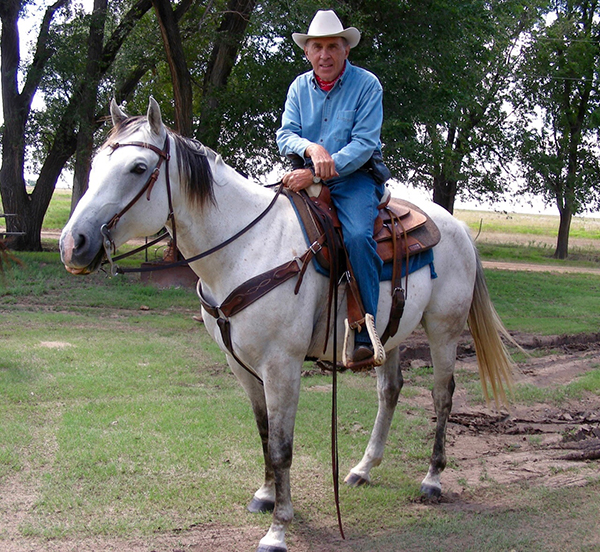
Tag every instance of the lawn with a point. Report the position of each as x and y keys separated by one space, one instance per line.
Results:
x=122 y=423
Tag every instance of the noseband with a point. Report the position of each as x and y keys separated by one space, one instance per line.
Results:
x=163 y=155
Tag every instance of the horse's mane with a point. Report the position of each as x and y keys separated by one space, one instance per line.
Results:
x=192 y=159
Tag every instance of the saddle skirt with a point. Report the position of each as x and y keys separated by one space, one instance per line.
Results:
x=401 y=229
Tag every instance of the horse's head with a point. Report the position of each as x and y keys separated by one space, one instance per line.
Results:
x=124 y=199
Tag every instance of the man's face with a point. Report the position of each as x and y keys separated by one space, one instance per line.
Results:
x=327 y=56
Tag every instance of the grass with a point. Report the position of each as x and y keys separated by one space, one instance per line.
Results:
x=120 y=419
x=59 y=210
x=529 y=225
x=546 y=303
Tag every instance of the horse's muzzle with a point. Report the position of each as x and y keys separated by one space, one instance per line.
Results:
x=80 y=254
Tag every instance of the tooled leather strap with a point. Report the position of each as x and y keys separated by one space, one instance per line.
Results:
x=398 y=294
x=249 y=292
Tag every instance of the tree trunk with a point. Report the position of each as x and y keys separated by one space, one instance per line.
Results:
x=31 y=208
x=564 y=227
x=229 y=39
x=87 y=106
x=12 y=179
x=182 y=84
x=444 y=192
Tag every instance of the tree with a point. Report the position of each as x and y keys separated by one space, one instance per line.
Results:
x=229 y=40
x=180 y=75
x=64 y=113
x=86 y=107
x=557 y=99
x=16 y=108
x=446 y=69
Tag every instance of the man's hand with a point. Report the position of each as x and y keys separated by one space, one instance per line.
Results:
x=298 y=180
x=323 y=163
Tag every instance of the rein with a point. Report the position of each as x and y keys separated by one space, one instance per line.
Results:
x=238 y=299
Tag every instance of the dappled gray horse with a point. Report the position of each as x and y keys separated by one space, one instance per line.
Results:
x=210 y=202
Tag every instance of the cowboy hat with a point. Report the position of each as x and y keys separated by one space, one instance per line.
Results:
x=327 y=24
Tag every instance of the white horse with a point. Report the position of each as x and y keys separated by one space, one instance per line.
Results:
x=210 y=202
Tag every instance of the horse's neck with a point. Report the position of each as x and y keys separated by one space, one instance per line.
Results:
x=237 y=203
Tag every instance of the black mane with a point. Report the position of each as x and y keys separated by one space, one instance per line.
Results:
x=192 y=159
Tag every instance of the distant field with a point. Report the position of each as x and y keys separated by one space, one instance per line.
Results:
x=524 y=229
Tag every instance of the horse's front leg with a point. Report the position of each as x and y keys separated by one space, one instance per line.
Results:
x=282 y=390
x=275 y=404
x=389 y=385
x=264 y=498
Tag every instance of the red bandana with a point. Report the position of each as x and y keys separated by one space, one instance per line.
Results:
x=328 y=85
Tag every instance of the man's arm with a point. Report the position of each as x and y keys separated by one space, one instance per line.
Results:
x=289 y=141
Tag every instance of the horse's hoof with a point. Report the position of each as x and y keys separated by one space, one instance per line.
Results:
x=258 y=506
x=355 y=480
x=431 y=491
x=269 y=548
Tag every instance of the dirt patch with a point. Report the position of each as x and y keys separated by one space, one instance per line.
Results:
x=539 y=444
x=55 y=344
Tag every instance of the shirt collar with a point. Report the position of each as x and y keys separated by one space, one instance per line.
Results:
x=339 y=82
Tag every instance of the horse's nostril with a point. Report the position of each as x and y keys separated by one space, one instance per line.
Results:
x=79 y=242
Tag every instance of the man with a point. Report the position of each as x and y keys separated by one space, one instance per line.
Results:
x=332 y=119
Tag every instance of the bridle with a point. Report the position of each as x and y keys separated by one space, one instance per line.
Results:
x=163 y=156
x=108 y=243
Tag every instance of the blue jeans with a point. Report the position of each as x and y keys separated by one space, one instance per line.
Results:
x=356 y=198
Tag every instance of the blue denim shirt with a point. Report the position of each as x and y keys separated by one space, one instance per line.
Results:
x=346 y=121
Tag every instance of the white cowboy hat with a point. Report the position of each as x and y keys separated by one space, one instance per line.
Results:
x=325 y=24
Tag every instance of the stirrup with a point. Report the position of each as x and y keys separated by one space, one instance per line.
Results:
x=349 y=344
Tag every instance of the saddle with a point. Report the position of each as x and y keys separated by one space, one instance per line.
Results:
x=401 y=230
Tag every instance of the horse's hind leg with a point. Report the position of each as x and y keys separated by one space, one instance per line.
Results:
x=389 y=385
x=443 y=353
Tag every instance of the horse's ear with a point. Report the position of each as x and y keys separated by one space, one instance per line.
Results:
x=117 y=114
x=155 y=118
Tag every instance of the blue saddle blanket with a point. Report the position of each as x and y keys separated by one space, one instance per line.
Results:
x=415 y=262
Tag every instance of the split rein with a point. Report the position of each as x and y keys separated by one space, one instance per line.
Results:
x=226 y=309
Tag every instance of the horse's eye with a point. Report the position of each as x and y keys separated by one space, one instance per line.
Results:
x=140 y=168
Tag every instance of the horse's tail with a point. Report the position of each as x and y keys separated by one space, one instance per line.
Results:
x=495 y=364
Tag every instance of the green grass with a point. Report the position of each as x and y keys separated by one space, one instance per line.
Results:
x=126 y=423
x=545 y=302
x=58 y=211
x=530 y=225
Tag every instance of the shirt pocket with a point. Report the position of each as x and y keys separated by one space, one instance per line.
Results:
x=344 y=121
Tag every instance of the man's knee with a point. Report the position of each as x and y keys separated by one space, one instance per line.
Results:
x=360 y=238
